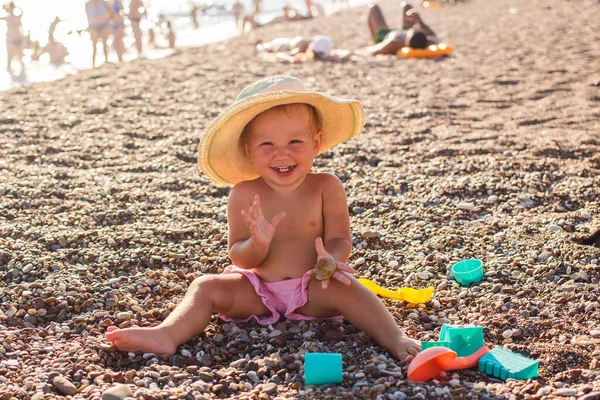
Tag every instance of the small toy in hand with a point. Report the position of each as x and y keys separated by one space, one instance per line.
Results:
x=325 y=268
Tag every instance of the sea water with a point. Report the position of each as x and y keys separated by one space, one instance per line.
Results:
x=216 y=24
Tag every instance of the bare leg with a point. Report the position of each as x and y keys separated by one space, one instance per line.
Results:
x=376 y=20
x=105 y=47
x=308 y=7
x=404 y=21
x=232 y=295
x=94 y=42
x=363 y=309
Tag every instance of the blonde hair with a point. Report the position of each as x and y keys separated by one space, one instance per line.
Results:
x=315 y=122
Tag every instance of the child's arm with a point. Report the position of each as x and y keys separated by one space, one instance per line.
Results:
x=250 y=234
x=336 y=220
x=431 y=36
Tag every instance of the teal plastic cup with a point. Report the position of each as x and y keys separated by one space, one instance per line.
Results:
x=322 y=368
x=468 y=271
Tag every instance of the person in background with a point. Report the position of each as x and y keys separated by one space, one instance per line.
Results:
x=256 y=8
x=289 y=14
x=171 y=35
x=414 y=33
x=56 y=50
x=194 y=16
x=53 y=25
x=151 y=37
x=99 y=21
x=118 y=28
x=237 y=10
x=135 y=15
x=15 y=40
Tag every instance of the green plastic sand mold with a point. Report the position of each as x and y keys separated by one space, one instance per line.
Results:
x=415 y=296
x=464 y=340
x=504 y=364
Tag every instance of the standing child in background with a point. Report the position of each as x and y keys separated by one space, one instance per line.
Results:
x=237 y=10
x=171 y=35
x=284 y=222
x=151 y=38
x=194 y=16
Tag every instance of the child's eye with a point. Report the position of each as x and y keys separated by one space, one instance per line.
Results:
x=295 y=141
x=266 y=144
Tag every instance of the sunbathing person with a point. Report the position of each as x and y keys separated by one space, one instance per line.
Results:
x=289 y=14
x=414 y=32
x=299 y=49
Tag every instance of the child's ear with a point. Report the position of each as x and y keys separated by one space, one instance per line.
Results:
x=246 y=148
x=317 y=140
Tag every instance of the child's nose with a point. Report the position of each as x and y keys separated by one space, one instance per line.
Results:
x=282 y=152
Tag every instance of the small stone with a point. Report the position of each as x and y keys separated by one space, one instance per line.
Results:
x=554 y=228
x=595 y=333
x=177 y=361
x=118 y=392
x=566 y=392
x=269 y=388
x=544 y=256
x=590 y=396
x=64 y=386
x=507 y=333
x=124 y=315
x=325 y=268
x=466 y=206
x=423 y=275
x=379 y=388
x=253 y=376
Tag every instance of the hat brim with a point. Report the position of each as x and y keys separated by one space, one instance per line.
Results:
x=219 y=155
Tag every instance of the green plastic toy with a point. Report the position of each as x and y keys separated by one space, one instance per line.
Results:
x=505 y=364
x=427 y=345
x=464 y=340
x=415 y=296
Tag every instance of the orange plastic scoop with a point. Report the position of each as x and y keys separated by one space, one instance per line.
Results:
x=433 y=361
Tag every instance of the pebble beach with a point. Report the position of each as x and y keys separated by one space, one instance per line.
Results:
x=492 y=153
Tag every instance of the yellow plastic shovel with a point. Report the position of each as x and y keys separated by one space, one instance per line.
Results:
x=415 y=296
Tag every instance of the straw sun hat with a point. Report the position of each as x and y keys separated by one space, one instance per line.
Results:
x=219 y=155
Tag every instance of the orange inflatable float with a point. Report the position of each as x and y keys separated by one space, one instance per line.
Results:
x=433 y=51
x=432 y=4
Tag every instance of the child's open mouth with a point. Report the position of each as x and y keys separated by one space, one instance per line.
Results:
x=284 y=170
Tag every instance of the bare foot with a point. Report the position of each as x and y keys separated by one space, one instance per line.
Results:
x=406 y=349
x=148 y=340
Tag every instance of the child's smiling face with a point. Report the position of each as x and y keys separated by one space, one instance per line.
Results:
x=282 y=146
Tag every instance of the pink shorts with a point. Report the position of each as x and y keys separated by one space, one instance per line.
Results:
x=283 y=297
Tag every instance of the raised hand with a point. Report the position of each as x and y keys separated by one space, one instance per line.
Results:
x=337 y=274
x=262 y=231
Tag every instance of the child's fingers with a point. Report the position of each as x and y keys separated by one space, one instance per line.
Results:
x=321 y=252
x=247 y=218
x=254 y=210
x=325 y=283
x=341 y=277
x=277 y=218
x=346 y=268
